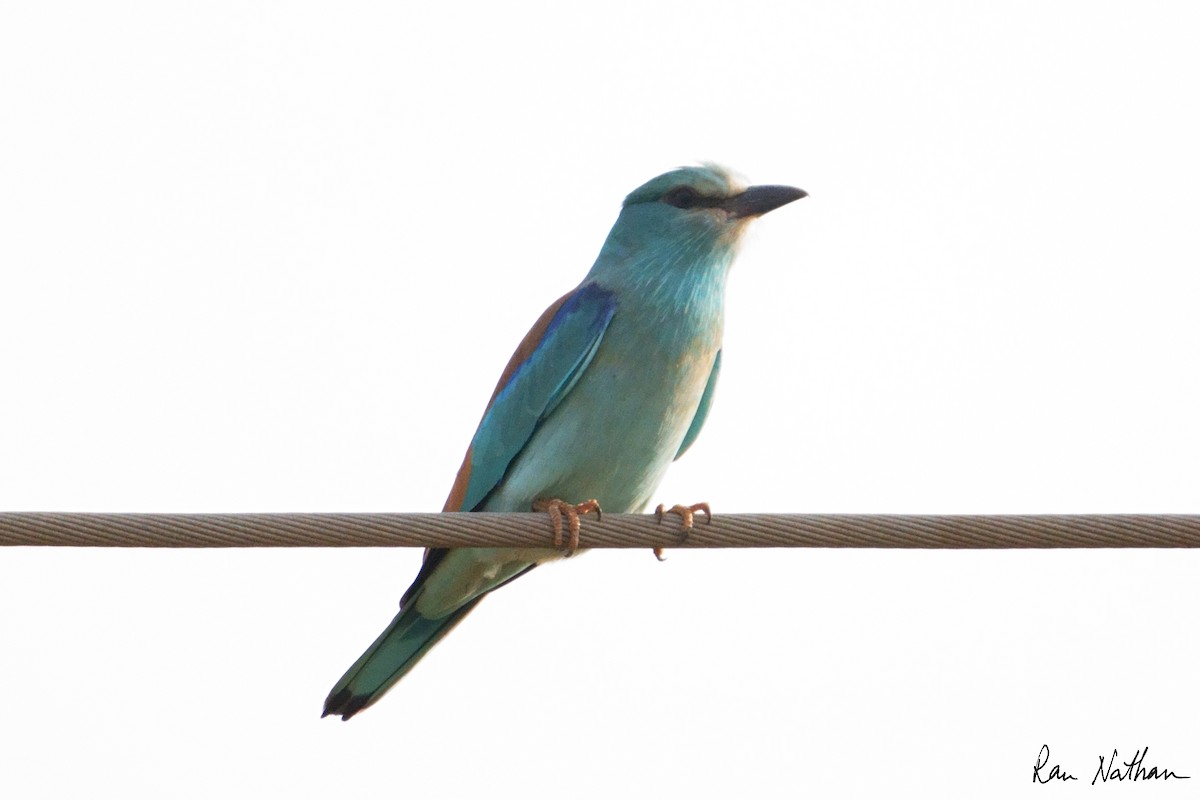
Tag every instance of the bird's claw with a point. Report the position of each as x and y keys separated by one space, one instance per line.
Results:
x=685 y=513
x=559 y=509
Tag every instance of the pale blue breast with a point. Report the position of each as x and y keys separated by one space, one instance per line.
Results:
x=616 y=433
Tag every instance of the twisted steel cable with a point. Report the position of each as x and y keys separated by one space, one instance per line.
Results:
x=613 y=530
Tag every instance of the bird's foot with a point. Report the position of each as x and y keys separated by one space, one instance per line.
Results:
x=559 y=509
x=685 y=513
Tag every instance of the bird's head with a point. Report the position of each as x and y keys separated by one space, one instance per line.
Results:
x=689 y=217
x=705 y=199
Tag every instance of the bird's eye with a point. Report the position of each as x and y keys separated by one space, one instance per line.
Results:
x=682 y=197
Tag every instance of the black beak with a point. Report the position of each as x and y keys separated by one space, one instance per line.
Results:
x=758 y=200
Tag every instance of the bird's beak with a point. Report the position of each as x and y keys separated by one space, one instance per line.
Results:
x=758 y=200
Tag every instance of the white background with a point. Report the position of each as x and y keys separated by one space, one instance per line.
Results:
x=272 y=257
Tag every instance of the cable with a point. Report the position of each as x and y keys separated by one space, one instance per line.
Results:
x=613 y=530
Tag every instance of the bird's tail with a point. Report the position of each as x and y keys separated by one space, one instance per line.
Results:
x=389 y=658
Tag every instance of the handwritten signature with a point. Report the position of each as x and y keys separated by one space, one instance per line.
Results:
x=1132 y=770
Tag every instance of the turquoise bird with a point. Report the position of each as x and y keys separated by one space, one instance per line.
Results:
x=611 y=385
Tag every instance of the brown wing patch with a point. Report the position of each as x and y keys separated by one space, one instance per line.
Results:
x=458 y=492
x=527 y=346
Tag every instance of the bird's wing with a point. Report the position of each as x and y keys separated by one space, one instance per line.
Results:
x=702 y=409
x=546 y=365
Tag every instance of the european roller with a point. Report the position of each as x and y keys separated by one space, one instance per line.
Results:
x=611 y=385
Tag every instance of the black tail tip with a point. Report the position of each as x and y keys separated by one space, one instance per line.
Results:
x=345 y=703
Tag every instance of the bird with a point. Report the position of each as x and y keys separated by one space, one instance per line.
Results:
x=611 y=385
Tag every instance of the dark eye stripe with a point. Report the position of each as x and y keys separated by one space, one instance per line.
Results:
x=685 y=197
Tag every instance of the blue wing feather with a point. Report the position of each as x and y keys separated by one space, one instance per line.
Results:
x=537 y=386
x=702 y=409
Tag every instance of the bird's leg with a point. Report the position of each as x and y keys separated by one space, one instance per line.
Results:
x=559 y=509
x=687 y=514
